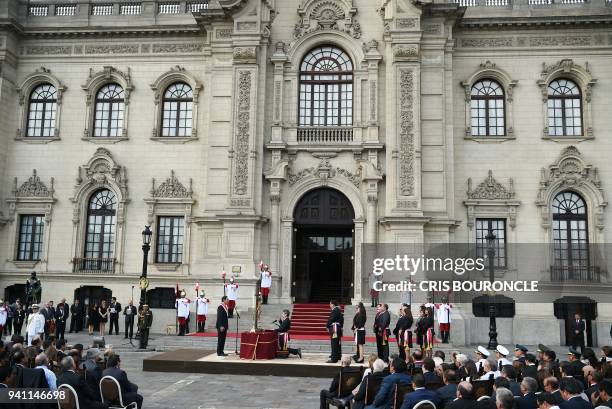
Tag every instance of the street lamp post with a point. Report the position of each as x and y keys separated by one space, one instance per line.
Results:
x=490 y=237
x=146 y=246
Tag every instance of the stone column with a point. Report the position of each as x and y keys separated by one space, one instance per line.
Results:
x=287 y=260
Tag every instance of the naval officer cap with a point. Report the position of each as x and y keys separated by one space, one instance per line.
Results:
x=573 y=351
x=543 y=348
x=482 y=351
x=502 y=350
x=519 y=347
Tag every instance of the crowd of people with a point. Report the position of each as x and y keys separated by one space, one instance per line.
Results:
x=583 y=381
x=56 y=319
x=50 y=363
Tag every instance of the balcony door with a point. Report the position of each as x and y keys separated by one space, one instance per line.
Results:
x=100 y=233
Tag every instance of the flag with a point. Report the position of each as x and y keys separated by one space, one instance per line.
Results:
x=261 y=265
x=177 y=291
x=197 y=288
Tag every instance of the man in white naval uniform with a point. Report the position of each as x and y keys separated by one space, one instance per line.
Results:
x=182 y=312
x=483 y=354
x=501 y=354
x=201 y=311
x=36 y=324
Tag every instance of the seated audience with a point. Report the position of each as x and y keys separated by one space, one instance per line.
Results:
x=332 y=392
x=42 y=362
x=448 y=392
x=429 y=373
x=377 y=374
x=128 y=389
x=504 y=398
x=87 y=398
x=604 y=397
x=529 y=387
x=546 y=401
x=571 y=391
x=384 y=397
x=420 y=393
x=92 y=369
x=465 y=397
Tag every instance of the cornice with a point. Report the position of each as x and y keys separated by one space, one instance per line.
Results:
x=75 y=32
x=487 y=22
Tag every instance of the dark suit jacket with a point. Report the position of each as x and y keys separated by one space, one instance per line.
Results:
x=93 y=374
x=87 y=397
x=382 y=322
x=360 y=396
x=221 y=318
x=62 y=312
x=431 y=377
x=117 y=306
x=127 y=387
x=447 y=394
x=284 y=325
x=526 y=402
x=607 y=404
x=462 y=404
x=515 y=388
x=558 y=398
x=133 y=307
x=575 y=403
x=335 y=316
x=384 y=397
x=412 y=398
x=530 y=371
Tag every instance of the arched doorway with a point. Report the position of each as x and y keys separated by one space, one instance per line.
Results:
x=323 y=229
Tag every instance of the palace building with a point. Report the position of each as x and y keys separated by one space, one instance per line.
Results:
x=295 y=132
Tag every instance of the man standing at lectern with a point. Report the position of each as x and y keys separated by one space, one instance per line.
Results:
x=221 y=325
x=334 y=326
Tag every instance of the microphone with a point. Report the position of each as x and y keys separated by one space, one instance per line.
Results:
x=274 y=321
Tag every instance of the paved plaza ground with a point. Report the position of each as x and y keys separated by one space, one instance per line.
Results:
x=207 y=391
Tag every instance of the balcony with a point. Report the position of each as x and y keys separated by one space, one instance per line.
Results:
x=575 y=274
x=93 y=265
x=324 y=134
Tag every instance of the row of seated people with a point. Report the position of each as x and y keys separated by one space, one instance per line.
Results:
x=433 y=384
x=83 y=371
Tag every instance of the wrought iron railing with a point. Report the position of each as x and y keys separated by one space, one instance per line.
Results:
x=575 y=274
x=93 y=265
x=324 y=134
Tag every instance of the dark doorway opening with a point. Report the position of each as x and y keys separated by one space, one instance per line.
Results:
x=12 y=292
x=566 y=307
x=90 y=295
x=323 y=247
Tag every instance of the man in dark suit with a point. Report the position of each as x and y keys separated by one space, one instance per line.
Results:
x=551 y=385
x=384 y=396
x=87 y=397
x=114 y=309
x=419 y=394
x=605 y=393
x=431 y=377
x=578 y=327
x=335 y=322
x=332 y=392
x=76 y=316
x=573 y=356
x=128 y=389
x=448 y=392
x=92 y=370
x=509 y=373
x=61 y=316
x=571 y=390
x=129 y=312
x=375 y=377
x=222 y=325
x=529 y=386
x=465 y=397
x=381 y=330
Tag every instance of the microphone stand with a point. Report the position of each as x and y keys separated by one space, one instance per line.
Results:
x=237 y=319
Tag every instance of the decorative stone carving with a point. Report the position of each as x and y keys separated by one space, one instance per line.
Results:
x=33 y=187
x=102 y=171
x=490 y=189
x=246 y=25
x=223 y=33
x=172 y=188
x=564 y=41
x=178 y=48
x=405 y=52
x=324 y=171
x=497 y=42
x=112 y=49
x=245 y=55
x=491 y=199
x=243 y=125
x=406 y=23
x=48 y=50
x=318 y=15
x=571 y=172
x=406 y=135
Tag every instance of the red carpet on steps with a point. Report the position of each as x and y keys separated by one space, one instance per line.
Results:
x=311 y=319
x=213 y=334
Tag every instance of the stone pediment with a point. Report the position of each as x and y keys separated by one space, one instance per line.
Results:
x=33 y=187
x=171 y=188
x=490 y=189
x=316 y=15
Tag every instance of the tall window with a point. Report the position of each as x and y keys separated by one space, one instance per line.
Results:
x=110 y=103
x=41 y=111
x=31 y=229
x=564 y=108
x=499 y=230
x=177 y=110
x=487 y=106
x=170 y=239
x=326 y=88
x=570 y=234
x=100 y=240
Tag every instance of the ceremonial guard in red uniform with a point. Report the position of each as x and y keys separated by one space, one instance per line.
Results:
x=182 y=309
x=231 y=290
x=444 y=311
x=266 y=282
x=201 y=311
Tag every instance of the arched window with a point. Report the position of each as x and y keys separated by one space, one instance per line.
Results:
x=100 y=238
x=110 y=104
x=41 y=111
x=177 y=110
x=564 y=108
x=487 y=109
x=326 y=88
x=570 y=236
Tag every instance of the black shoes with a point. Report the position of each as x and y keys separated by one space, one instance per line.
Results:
x=223 y=354
x=299 y=352
x=332 y=361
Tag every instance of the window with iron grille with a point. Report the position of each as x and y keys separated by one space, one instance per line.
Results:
x=31 y=228
x=170 y=234
x=570 y=232
x=564 y=108
x=42 y=108
x=498 y=226
x=177 y=115
x=487 y=109
x=169 y=8
x=130 y=9
x=38 y=11
x=326 y=88
x=110 y=104
x=194 y=7
x=100 y=232
x=101 y=9
x=65 y=10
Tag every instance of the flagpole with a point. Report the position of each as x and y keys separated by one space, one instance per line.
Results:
x=197 y=290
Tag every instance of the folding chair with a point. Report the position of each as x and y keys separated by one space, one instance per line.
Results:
x=72 y=401
x=399 y=392
x=110 y=392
